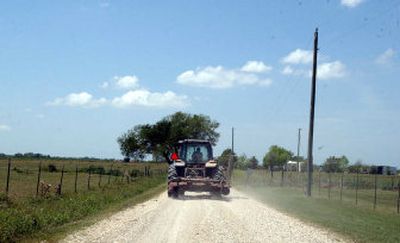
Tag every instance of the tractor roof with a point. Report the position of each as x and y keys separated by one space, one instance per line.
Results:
x=193 y=141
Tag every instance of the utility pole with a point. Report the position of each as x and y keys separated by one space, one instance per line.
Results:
x=230 y=161
x=312 y=110
x=233 y=139
x=298 y=150
x=230 y=164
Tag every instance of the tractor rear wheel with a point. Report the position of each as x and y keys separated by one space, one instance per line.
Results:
x=172 y=174
x=216 y=194
x=219 y=174
x=173 y=193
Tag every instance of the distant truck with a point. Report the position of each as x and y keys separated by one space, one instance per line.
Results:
x=193 y=168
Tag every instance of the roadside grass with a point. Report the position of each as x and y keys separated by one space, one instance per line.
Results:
x=359 y=223
x=58 y=233
x=363 y=197
x=23 y=216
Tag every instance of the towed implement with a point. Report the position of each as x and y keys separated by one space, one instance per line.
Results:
x=192 y=168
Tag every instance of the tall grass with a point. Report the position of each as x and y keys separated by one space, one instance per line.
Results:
x=357 y=192
x=360 y=222
x=23 y=214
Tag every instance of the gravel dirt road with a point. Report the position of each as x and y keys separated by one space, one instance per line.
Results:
x=198 y=217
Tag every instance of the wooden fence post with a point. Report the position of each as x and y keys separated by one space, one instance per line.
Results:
x=100 y=175
x=398 y=196
x=117 y=175
x=109 y=174
x=127 y=176
x=88 y=182
x=265 y=177
x=8 y=177
x=319 y=182
x=61 y=181
x=341 y=186
x=375 y=188
x=357 y=188
x=329 y=185
x=38 y=178
x=76 y=179
x=392 y=178
x=123 y=176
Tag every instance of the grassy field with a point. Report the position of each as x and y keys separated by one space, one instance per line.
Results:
x=358 y=222
x=357 y=192
x=24 y=215
x=24 y=174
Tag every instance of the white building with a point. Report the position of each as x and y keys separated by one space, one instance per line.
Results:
x=294 y=166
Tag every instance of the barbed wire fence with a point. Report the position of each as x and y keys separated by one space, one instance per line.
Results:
x=43 y=179
x=366 y=190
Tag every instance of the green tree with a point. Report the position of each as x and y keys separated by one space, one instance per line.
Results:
x=241 y=162
x=225 y=157
x=130 y=144
x=335 y=164
x=276 y=156
x=155 y=138
x=252 y=163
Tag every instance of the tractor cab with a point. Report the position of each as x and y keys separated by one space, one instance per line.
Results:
x=193 y=151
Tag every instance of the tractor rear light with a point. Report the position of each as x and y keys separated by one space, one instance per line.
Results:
x=174 y=156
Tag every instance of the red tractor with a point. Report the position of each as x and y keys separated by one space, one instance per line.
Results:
x=193 y=168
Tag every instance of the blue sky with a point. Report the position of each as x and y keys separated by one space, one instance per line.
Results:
x=77 y=74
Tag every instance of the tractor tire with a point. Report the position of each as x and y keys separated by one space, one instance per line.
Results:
x=219 y=174
x=216 y=194
x=173 y=193
x=172 y=174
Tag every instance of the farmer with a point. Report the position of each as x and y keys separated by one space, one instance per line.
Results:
x=197 y=155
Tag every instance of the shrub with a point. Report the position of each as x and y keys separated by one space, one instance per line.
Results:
x=52 y=168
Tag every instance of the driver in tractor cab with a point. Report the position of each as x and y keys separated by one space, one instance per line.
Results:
x=197 y=155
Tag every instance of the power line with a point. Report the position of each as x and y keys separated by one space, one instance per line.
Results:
x=335 y=40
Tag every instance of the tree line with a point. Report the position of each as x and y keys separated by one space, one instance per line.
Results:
x=276 y=158
x=31 y=155
x=155 y=139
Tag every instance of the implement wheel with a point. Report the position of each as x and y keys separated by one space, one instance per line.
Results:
x=174 y=193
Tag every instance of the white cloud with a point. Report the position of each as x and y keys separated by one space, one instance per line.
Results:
x=220 y=78
x=298 y=64
x=40 y=116
x=255 y=67
x=4 y=128
x=298 y=56
x=82 y=99
x=331 y=70
x=289 y=70
x=351 y=3
x=104 y=85
x=328 y=70
x=127 y=82
x=386 y=57
x=146 y=98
